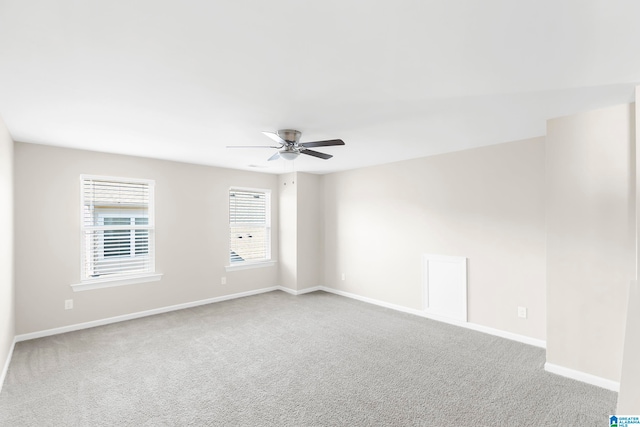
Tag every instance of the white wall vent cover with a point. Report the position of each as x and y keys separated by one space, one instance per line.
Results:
x=445 y=286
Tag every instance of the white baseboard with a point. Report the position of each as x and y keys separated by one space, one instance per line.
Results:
x=100 y=322
x=122 y=318
x=582 y=376
x=480 y=328
x=5 y=369
x=504 y=334
x=301 y=291
x=549 y=367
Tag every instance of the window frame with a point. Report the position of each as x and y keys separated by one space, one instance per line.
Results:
x=123 y=278
x=132 y=244
x=268 y=261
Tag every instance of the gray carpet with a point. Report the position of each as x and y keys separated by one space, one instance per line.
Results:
x=279 y=360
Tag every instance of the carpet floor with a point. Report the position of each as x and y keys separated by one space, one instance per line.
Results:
x=280 y=360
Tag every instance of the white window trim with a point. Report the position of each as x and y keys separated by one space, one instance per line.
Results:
x=86 y=285
x=269 y=261
x=121 y=279
x=246 y=265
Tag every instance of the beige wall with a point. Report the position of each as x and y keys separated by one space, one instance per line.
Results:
x=310 y=230
x=629 y=396
x=300 y=256
x=7 y=324
x=288 y=208
x=191 y=235
x=485 y=204
x=590 y=238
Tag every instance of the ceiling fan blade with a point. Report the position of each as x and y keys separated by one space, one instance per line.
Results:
x=275 y=137
x=274 y=157
x=316 y=154
x=251 y=146
x=326 y=143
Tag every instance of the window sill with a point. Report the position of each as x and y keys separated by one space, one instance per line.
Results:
x=248 y=265
x=120 y=281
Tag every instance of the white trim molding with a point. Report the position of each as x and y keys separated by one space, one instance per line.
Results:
x=3 y=376
x=582 y=376
x=130 y=316
x=120 y=281
x=549 y=367
x=479 y=328
x=246 y=265
x=301 y=291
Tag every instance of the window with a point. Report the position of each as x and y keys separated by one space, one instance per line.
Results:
x=249 y=226
x=117 y=228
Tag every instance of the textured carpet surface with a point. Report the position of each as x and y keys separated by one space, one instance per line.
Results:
x=279 y=360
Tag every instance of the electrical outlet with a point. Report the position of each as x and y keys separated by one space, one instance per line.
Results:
x=223 y=280
x=522 y=312
x=342 y=276
x=68 y=304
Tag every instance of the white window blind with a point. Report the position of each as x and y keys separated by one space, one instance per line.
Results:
x=117 y=227
x=249 y=223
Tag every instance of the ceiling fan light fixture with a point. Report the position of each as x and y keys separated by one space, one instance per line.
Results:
x=289 y=155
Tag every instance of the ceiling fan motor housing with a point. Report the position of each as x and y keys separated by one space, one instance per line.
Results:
x=290 y=135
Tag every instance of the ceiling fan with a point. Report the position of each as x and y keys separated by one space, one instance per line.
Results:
x=289 y=146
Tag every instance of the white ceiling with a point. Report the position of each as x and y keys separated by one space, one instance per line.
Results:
x=395 y=79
